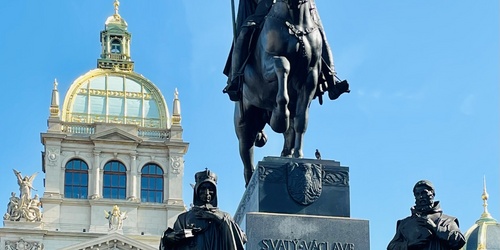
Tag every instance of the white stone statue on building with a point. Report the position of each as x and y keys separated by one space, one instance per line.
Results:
x=24 y=207
x=25 y=186
x=13 y=211
x=115 y=218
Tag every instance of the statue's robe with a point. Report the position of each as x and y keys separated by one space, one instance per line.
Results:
x=446 y=237
x=224 y=234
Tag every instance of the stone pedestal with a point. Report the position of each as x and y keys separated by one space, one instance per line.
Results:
x=300 y=204
x=294 y=232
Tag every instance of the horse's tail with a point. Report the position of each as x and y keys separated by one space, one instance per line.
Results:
x=260 y=139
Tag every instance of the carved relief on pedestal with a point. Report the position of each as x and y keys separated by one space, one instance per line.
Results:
x=23 y=245
x=24 y=208
x=304 y=182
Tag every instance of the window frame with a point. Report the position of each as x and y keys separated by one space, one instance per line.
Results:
x=117 y=186
x=115 y=46
x=151 y=192
x=83 y=192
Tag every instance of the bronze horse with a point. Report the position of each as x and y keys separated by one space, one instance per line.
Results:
x=280 y=80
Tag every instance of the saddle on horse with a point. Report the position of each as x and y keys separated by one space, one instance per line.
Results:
x=244 y=45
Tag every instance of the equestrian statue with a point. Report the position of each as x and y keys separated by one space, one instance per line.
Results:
x=279 y=62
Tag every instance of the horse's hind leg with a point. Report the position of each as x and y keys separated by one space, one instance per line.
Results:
x=280 y=118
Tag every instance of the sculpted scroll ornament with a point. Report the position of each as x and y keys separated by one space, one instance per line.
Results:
x=338 y=178
x=23 y=245
x=271 y=174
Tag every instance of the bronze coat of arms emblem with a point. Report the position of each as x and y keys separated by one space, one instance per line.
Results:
x=304 y=182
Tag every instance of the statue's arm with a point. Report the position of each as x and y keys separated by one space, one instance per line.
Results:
x=398 y=242
x=449 y=232
x=18 y=175
x=176 y=236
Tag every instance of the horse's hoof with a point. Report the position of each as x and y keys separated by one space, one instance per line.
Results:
x=298 y=154
x=260 y=139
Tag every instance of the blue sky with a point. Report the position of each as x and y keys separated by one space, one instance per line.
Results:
x=424 y=103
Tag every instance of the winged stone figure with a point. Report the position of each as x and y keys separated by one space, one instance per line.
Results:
x=25 y=186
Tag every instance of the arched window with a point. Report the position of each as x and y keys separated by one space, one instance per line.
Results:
x=115 y=180
x=116 y=46
x=76 y=179
x=152 y=183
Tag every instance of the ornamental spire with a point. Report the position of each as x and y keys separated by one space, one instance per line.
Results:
x=486 y=216
x=115 y=43
x=176 y=114
x=54 y=102
x=117 y=5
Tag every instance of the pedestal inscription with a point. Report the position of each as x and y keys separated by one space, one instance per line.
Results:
x=268 y=231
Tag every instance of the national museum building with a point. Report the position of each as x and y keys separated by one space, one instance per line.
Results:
x=113 y=161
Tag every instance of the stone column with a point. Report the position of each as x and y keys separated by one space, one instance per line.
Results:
x=62 y=172
x=108 y=45
x=97 y=176
x=166 y=185
x=132 y=183
x=102 y=46
x=128 y=47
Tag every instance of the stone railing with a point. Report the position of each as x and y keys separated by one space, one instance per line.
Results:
x=154 y=134
x=80 y=129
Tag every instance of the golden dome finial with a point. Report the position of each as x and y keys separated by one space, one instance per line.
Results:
x=484 y=197
x=116 y=4
x=55 y=83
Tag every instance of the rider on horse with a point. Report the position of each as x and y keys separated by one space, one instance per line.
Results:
x=251 y=14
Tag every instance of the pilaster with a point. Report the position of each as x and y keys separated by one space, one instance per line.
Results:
x=133 y=179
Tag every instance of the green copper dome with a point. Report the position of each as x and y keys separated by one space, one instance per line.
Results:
x=485 y=233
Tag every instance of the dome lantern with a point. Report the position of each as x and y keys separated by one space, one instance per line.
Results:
x=115 y=43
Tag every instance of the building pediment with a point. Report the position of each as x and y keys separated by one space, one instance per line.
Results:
x=116 y=135
x=112 y=241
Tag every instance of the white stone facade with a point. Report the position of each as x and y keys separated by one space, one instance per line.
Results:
x=133 y=128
